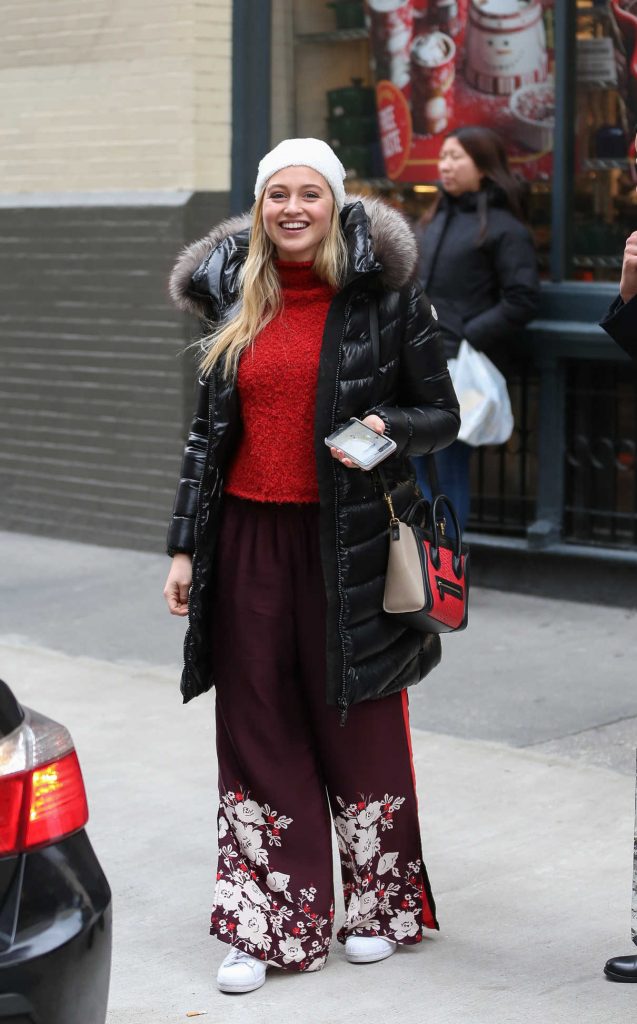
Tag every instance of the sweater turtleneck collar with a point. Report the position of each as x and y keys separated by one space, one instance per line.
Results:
x=299 y=276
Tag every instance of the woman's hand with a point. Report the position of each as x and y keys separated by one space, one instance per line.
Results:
x=178 y=584
x=372 y=421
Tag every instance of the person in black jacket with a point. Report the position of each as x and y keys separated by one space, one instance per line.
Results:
x=478 y=267
x=621 y=323
x=279 y=550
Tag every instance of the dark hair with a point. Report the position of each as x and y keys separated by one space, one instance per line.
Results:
x=487 y=150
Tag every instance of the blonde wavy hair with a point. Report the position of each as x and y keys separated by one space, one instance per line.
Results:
x=260 y=291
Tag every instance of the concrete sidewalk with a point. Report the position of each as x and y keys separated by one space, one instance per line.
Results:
x=529 y=857
x=524 y=747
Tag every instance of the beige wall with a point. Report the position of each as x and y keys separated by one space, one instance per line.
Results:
x=115 y=94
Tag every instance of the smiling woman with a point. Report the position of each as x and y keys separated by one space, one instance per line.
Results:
x=279 y=552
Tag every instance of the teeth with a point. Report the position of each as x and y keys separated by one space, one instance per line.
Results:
x=293 y=224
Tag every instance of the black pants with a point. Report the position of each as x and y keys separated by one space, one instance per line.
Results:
x=285 y=762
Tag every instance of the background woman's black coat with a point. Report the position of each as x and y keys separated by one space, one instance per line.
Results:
x=484 y=291
x=368 y=654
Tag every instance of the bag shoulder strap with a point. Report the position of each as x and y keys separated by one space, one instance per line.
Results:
x=374 y=331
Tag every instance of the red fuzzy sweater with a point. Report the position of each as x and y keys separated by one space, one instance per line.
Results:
x=277 y=392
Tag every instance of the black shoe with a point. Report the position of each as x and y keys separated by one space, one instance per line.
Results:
x=621 y=968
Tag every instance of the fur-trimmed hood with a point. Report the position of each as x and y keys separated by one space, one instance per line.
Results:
x=380 y=241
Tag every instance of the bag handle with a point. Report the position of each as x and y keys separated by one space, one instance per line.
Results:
x=374 y=331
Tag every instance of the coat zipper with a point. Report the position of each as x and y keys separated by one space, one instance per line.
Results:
x=199 y=490
x=342 y=700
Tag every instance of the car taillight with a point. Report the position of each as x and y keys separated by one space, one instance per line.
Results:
x=42 y=796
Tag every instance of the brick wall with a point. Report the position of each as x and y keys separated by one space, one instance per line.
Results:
x=115 y=94
x=95 y=391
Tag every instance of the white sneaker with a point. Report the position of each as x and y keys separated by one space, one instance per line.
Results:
x=368 y=949
x=240 y=972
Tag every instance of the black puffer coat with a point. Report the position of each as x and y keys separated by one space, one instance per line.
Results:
x=484 y=291
x=368 y=654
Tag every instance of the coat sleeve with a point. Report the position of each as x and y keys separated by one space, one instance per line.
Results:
x=428 y=417
x=621 y=323
x=515 y=267
x=181 y=531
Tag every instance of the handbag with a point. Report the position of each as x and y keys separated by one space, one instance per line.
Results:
x=427 y=576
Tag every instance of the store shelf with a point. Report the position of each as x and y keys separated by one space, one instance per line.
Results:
x=606 y=164
x=598 y=262
x=379 y=183
x=343 y=35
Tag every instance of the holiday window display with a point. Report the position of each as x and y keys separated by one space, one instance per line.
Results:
x=441 y=64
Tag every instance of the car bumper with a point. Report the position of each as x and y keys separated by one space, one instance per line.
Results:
x=55 y=957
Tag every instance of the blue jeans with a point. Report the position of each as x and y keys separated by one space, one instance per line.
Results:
x=453 y=465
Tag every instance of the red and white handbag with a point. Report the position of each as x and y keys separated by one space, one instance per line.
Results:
x=427 y=580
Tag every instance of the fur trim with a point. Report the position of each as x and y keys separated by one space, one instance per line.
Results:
x=192 y=256
x=392 y=241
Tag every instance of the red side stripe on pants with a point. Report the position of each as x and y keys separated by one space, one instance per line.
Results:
x=427 y=915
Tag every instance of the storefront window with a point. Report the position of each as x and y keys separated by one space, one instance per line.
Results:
x=605 y=207
x=396 y=76
x=385 y=80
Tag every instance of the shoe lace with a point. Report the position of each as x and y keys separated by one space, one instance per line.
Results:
x=238 y=956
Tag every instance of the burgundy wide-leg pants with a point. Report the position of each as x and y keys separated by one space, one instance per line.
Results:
x=285 y=761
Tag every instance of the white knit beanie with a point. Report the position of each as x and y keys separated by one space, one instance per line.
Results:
x=312 y=153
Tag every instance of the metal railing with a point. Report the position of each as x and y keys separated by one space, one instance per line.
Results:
x=569 y=472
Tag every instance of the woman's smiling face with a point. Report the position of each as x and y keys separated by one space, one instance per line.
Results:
x=297 y=212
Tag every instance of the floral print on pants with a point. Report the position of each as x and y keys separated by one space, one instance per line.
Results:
x=254 y=905
x=381 y=895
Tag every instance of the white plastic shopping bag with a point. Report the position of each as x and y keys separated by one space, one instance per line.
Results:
x=485 y=406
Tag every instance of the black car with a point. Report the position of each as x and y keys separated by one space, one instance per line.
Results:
x=55 y=902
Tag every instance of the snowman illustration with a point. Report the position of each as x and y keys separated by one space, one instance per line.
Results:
x=506 y=45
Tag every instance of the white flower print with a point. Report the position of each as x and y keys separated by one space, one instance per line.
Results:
x=345 y=827
x=386 y=862
x=253 y=892
x=361 y=908
x=369 y=814
x=259 y=910
x=277 y=881
x=292 y=949
x=352 y=908
x=249 y=812
x=317 y=964
x=253 y=927
x=367 y=903
x=380 y=893
x=250 y=840
x=366 y=844
x=404 y=924
x=227 y=895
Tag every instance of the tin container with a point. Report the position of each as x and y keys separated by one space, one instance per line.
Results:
x=391 y=25
x=433 y=71
x=505 y=45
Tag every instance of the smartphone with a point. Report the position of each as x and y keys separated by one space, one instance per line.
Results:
x=364 y=446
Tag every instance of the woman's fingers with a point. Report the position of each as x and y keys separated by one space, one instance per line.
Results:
x=341 y=457
x=176 y=595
